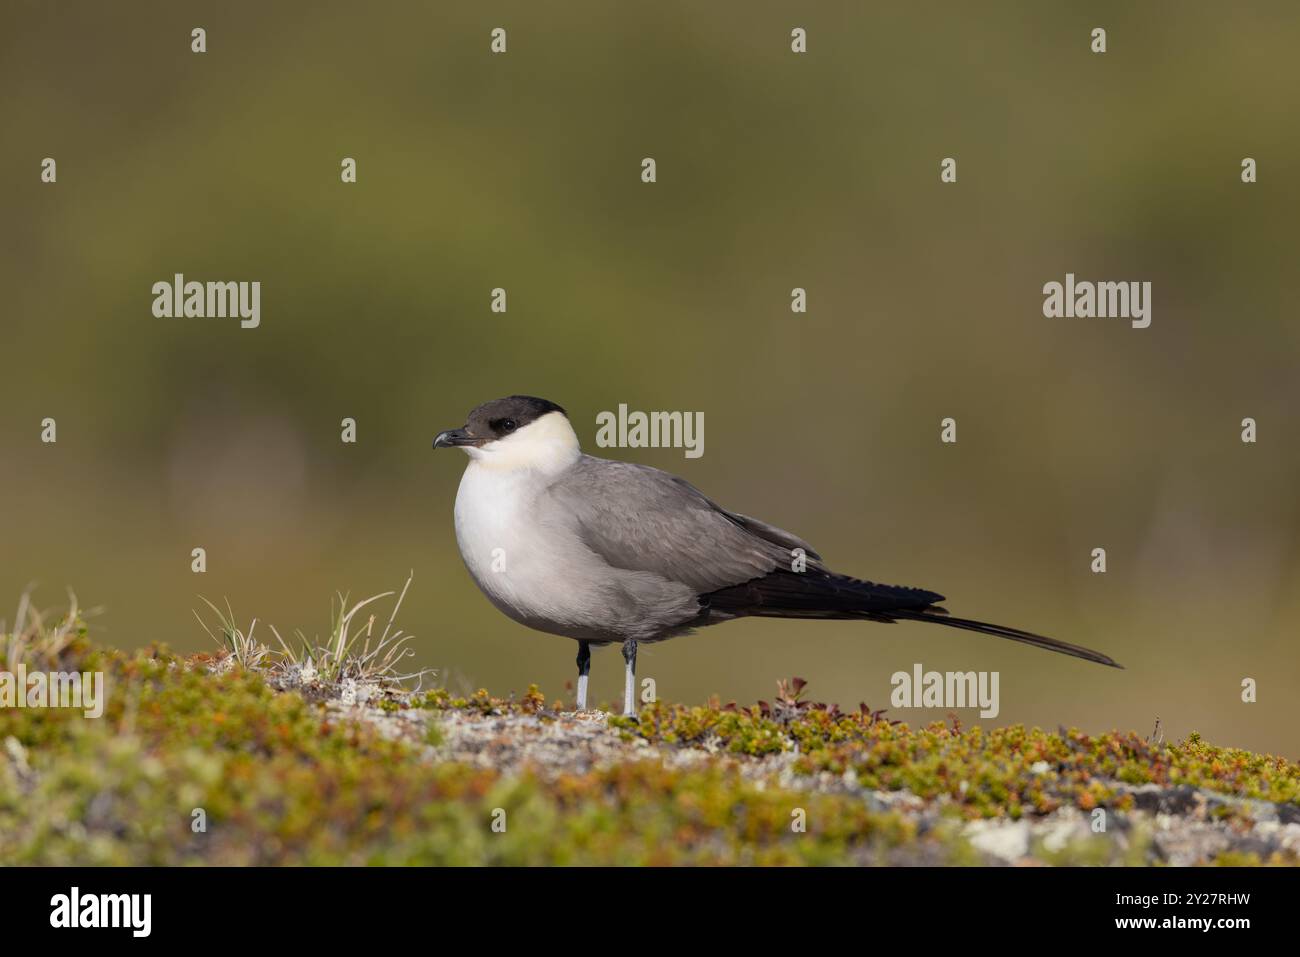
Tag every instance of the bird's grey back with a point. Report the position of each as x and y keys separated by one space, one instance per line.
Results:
x=639 y=518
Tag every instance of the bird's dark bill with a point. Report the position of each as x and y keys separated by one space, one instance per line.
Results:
x=455 y=438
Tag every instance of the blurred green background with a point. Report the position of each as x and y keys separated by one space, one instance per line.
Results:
x=775 y=171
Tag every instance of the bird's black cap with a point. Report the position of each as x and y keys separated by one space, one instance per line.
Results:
x=502 y=416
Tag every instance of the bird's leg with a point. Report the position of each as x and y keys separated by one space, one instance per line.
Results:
x=584 y=669
x=629 y=683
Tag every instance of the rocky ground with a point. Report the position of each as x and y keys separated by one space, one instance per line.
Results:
x=249 y=757
x=1175 y=824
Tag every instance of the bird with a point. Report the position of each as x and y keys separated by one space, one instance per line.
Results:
x=610 y=552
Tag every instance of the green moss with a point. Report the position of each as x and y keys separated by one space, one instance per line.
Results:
x=1238 y=859
x=280 y=780
x=433 y=734
x=1003 y=772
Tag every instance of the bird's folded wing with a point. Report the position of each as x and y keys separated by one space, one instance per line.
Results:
x=777 y=536
x=642 y=519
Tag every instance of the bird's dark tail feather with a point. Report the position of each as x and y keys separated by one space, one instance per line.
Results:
x=821 y=594
x=1002 y=631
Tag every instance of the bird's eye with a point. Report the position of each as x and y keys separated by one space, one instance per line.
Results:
x=508 y=425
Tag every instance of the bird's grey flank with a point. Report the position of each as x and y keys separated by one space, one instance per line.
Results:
x=609 y=552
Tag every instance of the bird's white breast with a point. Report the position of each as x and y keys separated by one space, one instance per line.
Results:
x=489 y=506
x=503 y=547
x=497 y=530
